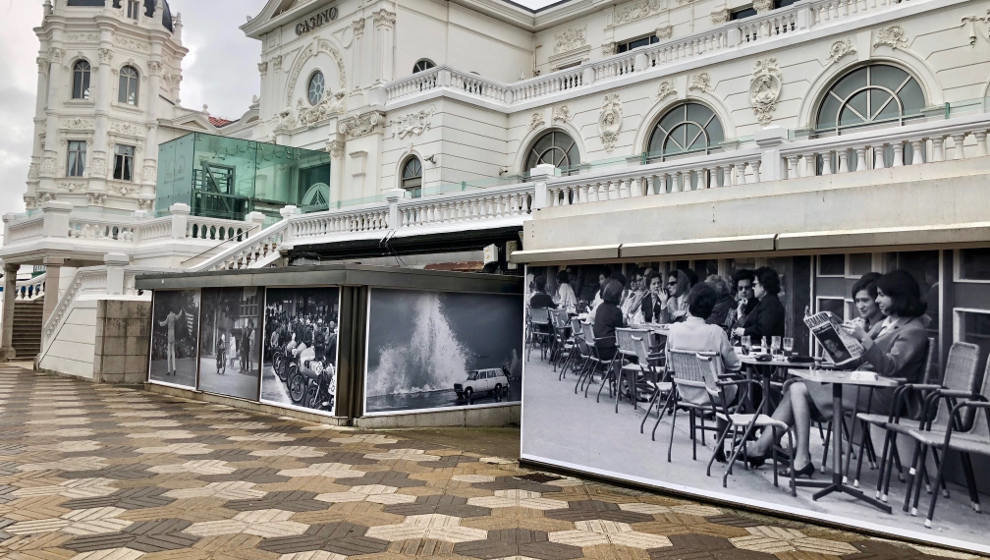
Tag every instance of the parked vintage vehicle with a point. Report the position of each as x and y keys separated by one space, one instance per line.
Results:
x=487 y=381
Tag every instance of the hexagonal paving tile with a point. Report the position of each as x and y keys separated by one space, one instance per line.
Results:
x=77 y=522
x=329 y=470
x=599 y=531
x=203 y=466
x=442 y=504
x=77 y=488
x=140 y=497
x=233 y=489
x=295 y=500
x=518 y=543
x=517 y=498
x=774 y=540
x=377 y=493
x=266 y=523
x=432 y=526
x=346 y=539
x=584 y=510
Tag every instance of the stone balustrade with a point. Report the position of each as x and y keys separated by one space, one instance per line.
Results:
x=30 y=290
x=515 y=201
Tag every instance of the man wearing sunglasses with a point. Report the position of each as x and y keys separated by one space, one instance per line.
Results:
x=745 y=298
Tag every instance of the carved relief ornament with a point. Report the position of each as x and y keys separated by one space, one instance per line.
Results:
x=536 y=121
x=414 y=124
x=569 y=39
x=330 y=104
x=893 y=37
x=362 y=125
x=840 y=49
x=610 y=121
x=636 y=10
x=764 y=89
x=701 y=82
x=666 y=90
x=561 y=114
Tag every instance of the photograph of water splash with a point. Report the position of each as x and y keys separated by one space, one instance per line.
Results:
x=429 y=350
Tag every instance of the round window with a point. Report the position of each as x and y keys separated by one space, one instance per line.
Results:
x=315 y=89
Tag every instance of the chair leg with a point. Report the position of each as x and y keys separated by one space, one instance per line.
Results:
x=673 y=423
x=670 y=402
x=884 y=467
x=945 y=489
x=584 y=366
x=790 y=444
x=912 y=477
x=974 y=494
x=653 y=399
x=719 y=445
x=917 y=486
x=938 y=480
x=694 y=434
x=865 y=429
x=773 y=454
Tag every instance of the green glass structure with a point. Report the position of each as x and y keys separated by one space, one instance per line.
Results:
x=230 y=177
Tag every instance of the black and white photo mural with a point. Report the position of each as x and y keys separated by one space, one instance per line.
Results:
x=299 y=365
x=229 y=341
x=430 y=350
x=848 y=388
x=174 y=331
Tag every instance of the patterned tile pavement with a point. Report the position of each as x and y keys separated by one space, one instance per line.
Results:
x=91 y=472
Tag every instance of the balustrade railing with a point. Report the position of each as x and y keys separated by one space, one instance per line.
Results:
x=255 y=252
x=494 y=204
x=322 y=224
x=25 y=229
x=30 y=290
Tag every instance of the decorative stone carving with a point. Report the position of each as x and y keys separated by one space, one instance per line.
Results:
x=362 y=125
x=285 y=121
x=97 y=199
x=636 y=10
x=762 y=6
x=46 y=196
x=973 y=33
x=105 y=56
x=335 y=146
x=33 y=171
x=276 y=62
x=608 y=49
x=331 y=104
x=840 y=49
x=569 y=39
x=55 y=54
x=701 y=82
x=154 y=68
x=764 y=89
x=42 y=64
x=127 y=129
x=130 y=44
x=665 y=32
x=79 y=124
x=316 y=47
x=144 y=203
x=357 y=28
x=561 y=114
x=81 y=37
x=149 y=174
x=384 y=19
x=262 y=68
x=666 y=90
x=892 y=37
x=414 y=124
x=610 y=121
x=70 y=186
x=30 y=202
x=48 y=166
x=536 y=121
x=720 y=17
x=125 y=189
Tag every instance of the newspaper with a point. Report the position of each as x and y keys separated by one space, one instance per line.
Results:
x=842 y=348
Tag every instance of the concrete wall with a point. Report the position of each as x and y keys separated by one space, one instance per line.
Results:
x=73 y=349
x=122 y=341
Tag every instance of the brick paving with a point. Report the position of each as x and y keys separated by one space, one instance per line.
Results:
x=94 y=472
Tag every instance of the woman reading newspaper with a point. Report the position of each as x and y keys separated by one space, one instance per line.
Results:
x=895 y=347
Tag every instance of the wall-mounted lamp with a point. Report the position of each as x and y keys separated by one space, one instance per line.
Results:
x=432 y=159
x=503 y=171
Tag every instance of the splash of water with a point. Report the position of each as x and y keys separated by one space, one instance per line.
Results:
x=432 y=360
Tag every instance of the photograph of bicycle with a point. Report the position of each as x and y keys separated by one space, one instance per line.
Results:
x=230 y=341
x=299 y=367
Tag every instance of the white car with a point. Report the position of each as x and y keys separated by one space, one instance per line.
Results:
x=488 y=381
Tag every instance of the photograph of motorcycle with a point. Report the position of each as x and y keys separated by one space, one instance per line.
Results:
x=299 y=366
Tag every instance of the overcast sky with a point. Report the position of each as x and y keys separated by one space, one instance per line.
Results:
x=219 y=71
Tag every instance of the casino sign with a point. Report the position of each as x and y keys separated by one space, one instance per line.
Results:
x=316 y=20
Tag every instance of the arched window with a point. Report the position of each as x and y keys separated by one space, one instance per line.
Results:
x=874 y=94
x=688 y=128
x=422 y=65
x=80 y=79
x=412 y=176
x=556 y=148
x=128 y=90
x=315 y=87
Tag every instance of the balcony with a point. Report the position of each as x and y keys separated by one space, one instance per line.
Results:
x=762 y=32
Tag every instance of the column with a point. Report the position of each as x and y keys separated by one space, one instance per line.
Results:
x=384 y=45
x=116 y=262
x=357 y=48
x=53 y=271
x=9 y=296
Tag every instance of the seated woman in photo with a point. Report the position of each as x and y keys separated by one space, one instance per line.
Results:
x=767 y=318
x=895 y=347
x=675 y=305
x=566 y=299
x=864 y=293
x=723 y=305
x=608 y=317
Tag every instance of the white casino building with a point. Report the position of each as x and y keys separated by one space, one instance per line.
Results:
x=587 y=131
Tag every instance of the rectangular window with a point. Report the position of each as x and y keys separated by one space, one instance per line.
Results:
x=133 y=9
x=860 y=264
x=777 y=4
x=76 y=160
x=742 y=13
x=974 y=264
x=832 y=265
x=636 y=43
x=123 y=162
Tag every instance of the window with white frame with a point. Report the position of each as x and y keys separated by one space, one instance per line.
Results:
x=80 y=79
x=123 y=162
x=872 y=94
x=556 y=148
x=688 y=128
x=128 y=90
x=422 y=65
x=412 y=177
x=315 y=87
x=75 y=164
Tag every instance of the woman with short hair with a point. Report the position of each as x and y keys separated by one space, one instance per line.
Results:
x=768 y=317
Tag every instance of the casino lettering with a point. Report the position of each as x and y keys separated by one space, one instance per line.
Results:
x=317 y=20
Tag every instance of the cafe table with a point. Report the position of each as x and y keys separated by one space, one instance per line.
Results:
x=838 y=379
x=764 y=369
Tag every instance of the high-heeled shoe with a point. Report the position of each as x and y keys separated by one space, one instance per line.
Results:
x=806 y=470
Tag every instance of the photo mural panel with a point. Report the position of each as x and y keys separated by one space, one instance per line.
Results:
x=299 y=364
x=229 y=341
x=174 y=332
x=433 y=350
x=647 y=336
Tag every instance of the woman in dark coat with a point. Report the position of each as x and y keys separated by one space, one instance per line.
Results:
x=768 y=317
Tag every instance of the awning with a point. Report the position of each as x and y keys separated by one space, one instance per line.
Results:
x=944 y=234
x=566 y=254
x=677 y=248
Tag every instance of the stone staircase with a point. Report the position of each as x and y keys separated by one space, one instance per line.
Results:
x=27 y=328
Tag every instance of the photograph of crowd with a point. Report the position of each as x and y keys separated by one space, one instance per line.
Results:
x=704 y=376
x=429 y=350
x=229 y=341
x=175 y=325
x=299 y=367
